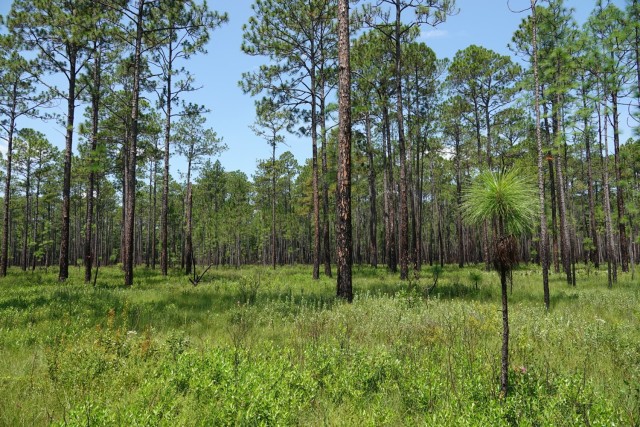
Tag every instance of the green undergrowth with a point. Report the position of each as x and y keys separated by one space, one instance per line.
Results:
x=260 y=347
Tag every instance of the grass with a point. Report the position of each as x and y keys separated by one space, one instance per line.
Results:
x=261 y=347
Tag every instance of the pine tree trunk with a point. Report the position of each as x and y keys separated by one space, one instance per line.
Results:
x=129 y=226
x=27 y=215
x=7 y=193
x=326 y=241
x=611 y=255
x=95 y=106
x=593 y=232
x=390 y=211
x=404 y=209
x=273 y=203
x=164 y=214
x=343 y=189
x=68 y=153
x=622 y=229
x=188 y=239
x=373 y=211
x=543 y=246
x=314 y=179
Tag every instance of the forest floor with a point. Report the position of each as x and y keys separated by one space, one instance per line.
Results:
x=260 y=347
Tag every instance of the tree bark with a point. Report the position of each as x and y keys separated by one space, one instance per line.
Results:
x=543 y=216
x=404 y=210
x=612 y=275
x=68 y=153
x=326 y=241
x=188 y=239
x=129 y=226
x=343 y=190
x=622 y=229
x=164 y=215
x=27 y=215
x=273 y=202
x=373 y=211
x=7 y=190
x=95 y=105
x=595 y=253
x=390 y=211
x=314 y=179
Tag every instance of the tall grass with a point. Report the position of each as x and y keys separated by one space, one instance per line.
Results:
x=258 y=347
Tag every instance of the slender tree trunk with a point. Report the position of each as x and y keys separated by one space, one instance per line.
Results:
x=543 y=216
x=273 y=202
x=68 y=153
x=314 y=179
x=188 y=238
x=622 y=229
x=373 y=210
x=7 y=192
x=461 y=258
x=27 y=215
x=564 y=228
x=390 y=211
x=594 y=254
x=343 y=190
x=326 y=242
x=95 y=106
x=164 y=215
x=404 y=210
x=129 y=226
x=36 y=220
x=611 y=255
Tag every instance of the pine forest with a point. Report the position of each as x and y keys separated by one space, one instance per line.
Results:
x=457 y=246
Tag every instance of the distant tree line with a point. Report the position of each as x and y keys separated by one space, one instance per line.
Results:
x=422 y=128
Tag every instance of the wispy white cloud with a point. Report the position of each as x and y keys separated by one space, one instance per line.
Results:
x=434 y=34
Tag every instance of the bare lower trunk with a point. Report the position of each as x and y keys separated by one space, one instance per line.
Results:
x=95 y=105
x=390 y=214
x=373 y=211
x=188 y=239
x=543 y=248
x=7 y=199
x=129 y=226
x=66 y=185
x=622 y=229
x=343 y=190
x=611 y=255
x=326 y=241
x=314 y=180
x=404 y=209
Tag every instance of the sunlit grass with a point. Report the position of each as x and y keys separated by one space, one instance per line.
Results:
x=257 y=346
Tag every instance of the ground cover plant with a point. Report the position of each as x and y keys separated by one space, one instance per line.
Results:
x=254 y=346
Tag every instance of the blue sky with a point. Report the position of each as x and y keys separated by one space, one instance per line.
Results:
x=489 y=23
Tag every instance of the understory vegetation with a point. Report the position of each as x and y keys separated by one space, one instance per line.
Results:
x=254 y=346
